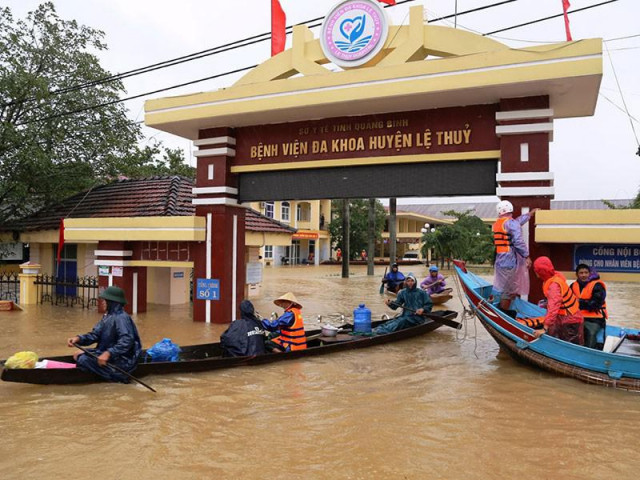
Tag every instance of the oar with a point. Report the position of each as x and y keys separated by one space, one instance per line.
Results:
x=117 y=369
x=382 y=284
x=434 y=283
x=435 y=318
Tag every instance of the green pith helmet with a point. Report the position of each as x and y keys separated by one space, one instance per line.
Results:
x=115 y=294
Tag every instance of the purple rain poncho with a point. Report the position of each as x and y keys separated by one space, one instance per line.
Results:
x=511 y=272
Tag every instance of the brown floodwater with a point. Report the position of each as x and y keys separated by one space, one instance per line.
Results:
x=443 y=406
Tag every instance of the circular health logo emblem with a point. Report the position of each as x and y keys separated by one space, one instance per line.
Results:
x=354 y=32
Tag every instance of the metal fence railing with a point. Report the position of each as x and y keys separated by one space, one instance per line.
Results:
x=9 y=287
x=67 y=291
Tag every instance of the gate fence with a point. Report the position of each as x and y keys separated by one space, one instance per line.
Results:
x=67 y=291
x=9 y=287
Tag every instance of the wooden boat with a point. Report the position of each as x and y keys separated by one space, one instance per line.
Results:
x=442 y=297
x=436 y=298
x=618 y=366
x=205 y=357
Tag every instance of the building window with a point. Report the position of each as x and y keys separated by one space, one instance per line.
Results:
x=269 y=210
x=284 y=211
x=268 y=251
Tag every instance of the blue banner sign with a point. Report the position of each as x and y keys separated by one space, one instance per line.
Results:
x=609 y=258
x=208 y=289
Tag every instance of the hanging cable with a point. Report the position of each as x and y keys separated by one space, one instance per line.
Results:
x=91 y=107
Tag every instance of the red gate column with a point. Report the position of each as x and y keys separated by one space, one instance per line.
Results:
x=525 y=128
x=221 y=256
x=115 y=257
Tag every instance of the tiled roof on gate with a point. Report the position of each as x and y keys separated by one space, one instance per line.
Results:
x=144 y=197
x=162 y=196
x=257 y=222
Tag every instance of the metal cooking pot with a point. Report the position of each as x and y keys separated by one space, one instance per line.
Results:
x=330 y=331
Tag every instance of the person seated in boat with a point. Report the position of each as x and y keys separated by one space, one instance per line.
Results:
x=592 y=294
x=117 y=339
x=512 y=254
x=563 y=319
x=290 y=326
x=245 y=336
x=410 y=298
x=434 y=282
x=394 y=279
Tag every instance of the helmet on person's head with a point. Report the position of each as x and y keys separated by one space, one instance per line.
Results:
x=433 y=268
x=114 y=294
x=505 y=206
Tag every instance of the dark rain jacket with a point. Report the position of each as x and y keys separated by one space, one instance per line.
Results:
x=116 y=333
x=245 y=336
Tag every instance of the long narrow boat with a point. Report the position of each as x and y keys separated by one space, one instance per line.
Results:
x=208 y=356
x=618 y=368
x=436 y=298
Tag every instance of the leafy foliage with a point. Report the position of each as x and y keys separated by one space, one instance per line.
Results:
x=62 y=130
x=358 y=225
x=634 y=204
x=468 y=238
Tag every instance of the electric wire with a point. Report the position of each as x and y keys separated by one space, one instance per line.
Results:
x=615 y=75
x=91 y=107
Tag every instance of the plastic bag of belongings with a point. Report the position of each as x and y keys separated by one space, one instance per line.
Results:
x=163 y=351
x=21 y=360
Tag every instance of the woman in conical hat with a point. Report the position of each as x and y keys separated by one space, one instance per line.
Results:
x=290 y=325
x=286 y=299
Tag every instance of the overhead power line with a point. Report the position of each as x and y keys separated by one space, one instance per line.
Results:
x=91 y=107
x=549 y=18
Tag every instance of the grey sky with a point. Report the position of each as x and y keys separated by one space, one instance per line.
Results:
x=592 y=158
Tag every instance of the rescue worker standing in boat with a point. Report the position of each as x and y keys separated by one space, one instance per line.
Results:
x=591 y=293
x=563 y=319
x=512 y=254
x=290 y=326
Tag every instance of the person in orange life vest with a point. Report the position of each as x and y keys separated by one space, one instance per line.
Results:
x=338 y=254
x=512 y=254
x=363 y=254
x=290 y=326
x=563 y=319
x=591 y=293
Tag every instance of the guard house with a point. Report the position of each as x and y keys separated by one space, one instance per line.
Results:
x=412 y=102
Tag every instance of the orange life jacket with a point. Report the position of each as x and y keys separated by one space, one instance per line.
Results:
x=586 y=294
x=293 y=337
x=569 y=300
x=501 y=238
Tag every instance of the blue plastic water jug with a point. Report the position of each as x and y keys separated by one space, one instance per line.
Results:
x=362 y=319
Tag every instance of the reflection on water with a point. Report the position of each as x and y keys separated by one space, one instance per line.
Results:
x=442 y=406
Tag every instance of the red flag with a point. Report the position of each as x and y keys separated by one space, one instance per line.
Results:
x=60 y=242
x=388 y=2
x=565 y=7
x=278 y=26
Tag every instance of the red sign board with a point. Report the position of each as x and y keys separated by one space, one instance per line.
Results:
x=444 y=130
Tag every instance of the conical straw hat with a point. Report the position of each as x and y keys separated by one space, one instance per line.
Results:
x=284 y=300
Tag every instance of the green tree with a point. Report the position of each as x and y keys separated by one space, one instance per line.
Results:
x=62 y=128
x=359 y=225
x=155 y=160
x=468 y=238
x=635 y=203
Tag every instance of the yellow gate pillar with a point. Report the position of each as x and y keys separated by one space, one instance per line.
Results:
x=28 y=290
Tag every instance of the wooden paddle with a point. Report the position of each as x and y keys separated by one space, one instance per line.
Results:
x=434 y=317
x=382 y=284
x=434 y=283
x=117 y=369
